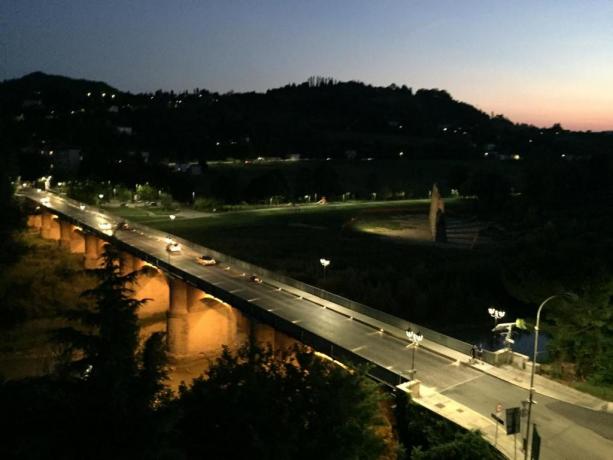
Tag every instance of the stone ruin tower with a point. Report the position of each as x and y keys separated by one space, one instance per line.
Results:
x=438 y=226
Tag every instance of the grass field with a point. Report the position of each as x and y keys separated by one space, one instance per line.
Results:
x=420 y=282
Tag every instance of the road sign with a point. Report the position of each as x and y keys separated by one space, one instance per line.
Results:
x=498 y=408
x=513 y=420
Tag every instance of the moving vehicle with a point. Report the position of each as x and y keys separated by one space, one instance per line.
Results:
x=173 y=248
x=255 y=279
x=206 y=260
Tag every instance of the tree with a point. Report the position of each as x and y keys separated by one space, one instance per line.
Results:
x=104 y=348
x=465 y=446
x=555 y=259
x=260 y=404
x=11 y=221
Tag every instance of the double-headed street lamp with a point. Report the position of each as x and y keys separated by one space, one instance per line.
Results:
x=571 y=296
x=415 y=338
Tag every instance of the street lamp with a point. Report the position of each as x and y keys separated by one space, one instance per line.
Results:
x=172 y=219
x=324 y=263
x=496 y=314
x=415 y=338
x=569 y=295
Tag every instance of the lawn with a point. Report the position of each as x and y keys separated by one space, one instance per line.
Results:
x=420 y=282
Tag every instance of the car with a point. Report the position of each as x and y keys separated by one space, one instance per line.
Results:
x=206 y=260
x=173 y=248
x=122 y=226
x=255 y=279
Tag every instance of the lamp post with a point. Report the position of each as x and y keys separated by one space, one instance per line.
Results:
x=570 y=296
x=415 y=338
x=496 y=314
x=172 y=218
x=324 y=263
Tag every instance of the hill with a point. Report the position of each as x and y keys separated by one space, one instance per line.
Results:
x=318 y=118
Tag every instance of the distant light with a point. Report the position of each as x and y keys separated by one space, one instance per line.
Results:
x=101 y=195
x=516 y=157
x=444 y=129
x=82 y=207
x=324 y=262
x=89 y=94
x=486 y=154
x=217 y=143
x=172 y=217
x=328 y=159
x=563 y=155
x=112 y=96
x=400 y=154
x=103 y=94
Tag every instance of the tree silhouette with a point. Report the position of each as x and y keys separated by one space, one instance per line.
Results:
x=258 y=404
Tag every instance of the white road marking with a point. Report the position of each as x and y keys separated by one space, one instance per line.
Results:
x=462 y=383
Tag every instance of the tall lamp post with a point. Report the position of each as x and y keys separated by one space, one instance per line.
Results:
x=568 y=295
x=172 y=218
x=324 y=263
x=496 y=314
x=415 y=338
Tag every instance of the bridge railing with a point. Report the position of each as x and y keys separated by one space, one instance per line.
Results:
x=397 y=325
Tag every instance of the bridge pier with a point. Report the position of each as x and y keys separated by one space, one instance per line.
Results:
x=177 y=322
x=198 y=323
x=65 y=234
x=50 y=228
x=35 y=221
x=92 y=252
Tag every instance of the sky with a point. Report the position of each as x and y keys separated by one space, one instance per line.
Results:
x=537 y=61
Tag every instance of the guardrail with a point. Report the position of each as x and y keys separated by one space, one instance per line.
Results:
x=397 y=324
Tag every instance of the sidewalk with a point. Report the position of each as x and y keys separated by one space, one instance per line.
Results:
x=515 y=376
x=521 y=378
x=469 y=419
x=545 y=386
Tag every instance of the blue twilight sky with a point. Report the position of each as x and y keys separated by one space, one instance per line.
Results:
x=538 y=61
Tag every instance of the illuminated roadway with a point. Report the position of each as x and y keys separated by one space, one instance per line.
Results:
x=568 y=431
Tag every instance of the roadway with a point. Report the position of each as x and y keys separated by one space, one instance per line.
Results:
x=566 y=430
